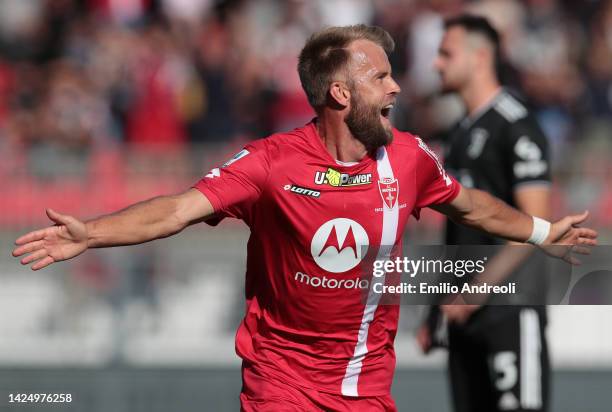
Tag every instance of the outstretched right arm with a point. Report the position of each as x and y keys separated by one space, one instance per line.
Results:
x=156 y=218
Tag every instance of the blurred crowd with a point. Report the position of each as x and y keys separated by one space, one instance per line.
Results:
x=162 y=75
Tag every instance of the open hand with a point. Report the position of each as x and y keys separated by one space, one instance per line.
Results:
x=65 y=240
x=567 y=237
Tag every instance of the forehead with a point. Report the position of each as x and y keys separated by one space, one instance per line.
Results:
x=454 y=36
x=368 y=56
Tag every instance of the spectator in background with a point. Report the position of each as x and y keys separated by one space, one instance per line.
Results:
x=293 y=26
x=159 y=76
x=599 y=64
x=124 y=12
x=217 y=119
x=67 y=123
x=545 y=52
x=6 y=84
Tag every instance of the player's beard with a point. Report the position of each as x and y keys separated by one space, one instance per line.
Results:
x=364 y=123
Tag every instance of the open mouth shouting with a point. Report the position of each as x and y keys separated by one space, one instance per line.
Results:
x=385 y=113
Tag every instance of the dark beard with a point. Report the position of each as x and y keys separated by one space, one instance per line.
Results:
x=364 y=123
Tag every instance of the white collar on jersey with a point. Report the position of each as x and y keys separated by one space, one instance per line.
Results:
x=341 y=163
x=468 y=121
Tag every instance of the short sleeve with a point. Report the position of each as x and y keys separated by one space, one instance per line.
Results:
x=236 y=185
x=529 y=154
x=434 y=185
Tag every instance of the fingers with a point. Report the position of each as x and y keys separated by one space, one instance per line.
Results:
x=581 y=250
x=586 y=241
x=58 y=218
x=39 y=254
x=28 y=247
x=587 y=233
x=577 y=219
x=32 y=236
x=43 y=263
x=40 y=257
x=40 y=234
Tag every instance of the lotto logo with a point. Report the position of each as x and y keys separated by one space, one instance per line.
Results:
x=302 y=191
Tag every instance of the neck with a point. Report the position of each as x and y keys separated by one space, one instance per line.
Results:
x=479 y=93
x=338 y=139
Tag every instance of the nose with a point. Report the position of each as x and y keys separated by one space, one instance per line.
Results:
x=395 y=88
x=437 y=64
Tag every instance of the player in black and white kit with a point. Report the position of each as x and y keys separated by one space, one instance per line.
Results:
x=498 y=359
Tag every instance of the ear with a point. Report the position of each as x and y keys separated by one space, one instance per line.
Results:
x=485 y=57
x=340 y=93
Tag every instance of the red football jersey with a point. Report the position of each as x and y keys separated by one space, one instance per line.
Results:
x=312 y=221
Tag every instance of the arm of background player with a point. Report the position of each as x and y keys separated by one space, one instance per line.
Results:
x=480 y=210
x=156 y=218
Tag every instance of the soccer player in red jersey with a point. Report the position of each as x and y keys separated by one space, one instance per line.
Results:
x=316 y=199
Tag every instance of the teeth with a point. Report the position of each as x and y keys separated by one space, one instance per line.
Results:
x=389 y=106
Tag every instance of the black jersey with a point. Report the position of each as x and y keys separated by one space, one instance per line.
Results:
x=497 y=150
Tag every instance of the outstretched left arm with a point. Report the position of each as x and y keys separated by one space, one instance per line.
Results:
x=484 y=212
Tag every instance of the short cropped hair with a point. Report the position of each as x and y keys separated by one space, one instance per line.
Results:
x=477 y=25
x=325 y=54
